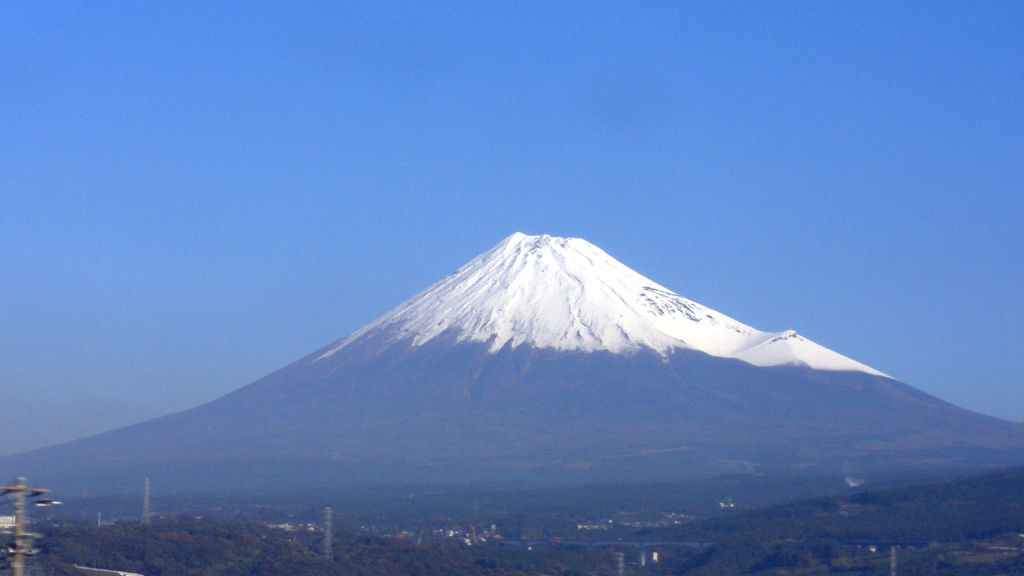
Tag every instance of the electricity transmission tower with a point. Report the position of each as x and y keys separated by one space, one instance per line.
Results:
x=328 y=553
x=22 y=545
x=147 y=516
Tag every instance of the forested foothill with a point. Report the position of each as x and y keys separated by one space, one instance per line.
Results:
x=965 y=526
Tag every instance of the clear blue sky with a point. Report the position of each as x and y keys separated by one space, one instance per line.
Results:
x=194 y=194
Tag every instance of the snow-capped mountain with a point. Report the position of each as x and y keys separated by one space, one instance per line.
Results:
x=567 y=294
x=544 y=359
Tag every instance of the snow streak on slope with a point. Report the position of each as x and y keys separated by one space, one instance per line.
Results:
x=567 y=294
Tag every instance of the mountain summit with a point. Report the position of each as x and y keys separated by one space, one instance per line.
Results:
x=567 y=294
x=543 y=359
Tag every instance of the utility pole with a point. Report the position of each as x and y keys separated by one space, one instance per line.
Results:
x=146 y=514
x=892 y=561
x=22 y=545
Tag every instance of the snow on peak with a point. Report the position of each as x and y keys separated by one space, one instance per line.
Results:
x=567 y=294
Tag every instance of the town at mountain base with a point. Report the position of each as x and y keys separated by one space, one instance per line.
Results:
x=544 y=360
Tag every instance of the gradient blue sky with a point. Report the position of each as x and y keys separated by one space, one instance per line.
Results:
x=195 y=194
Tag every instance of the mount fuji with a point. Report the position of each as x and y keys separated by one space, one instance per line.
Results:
x=544 y=359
